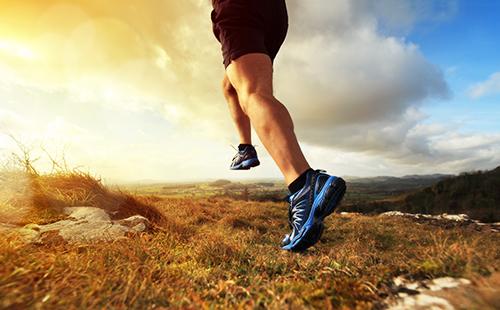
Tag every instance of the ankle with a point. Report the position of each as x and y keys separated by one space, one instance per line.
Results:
x=242 y=146
x=299 y=182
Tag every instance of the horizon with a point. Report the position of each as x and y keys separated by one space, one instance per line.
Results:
x=277 y=179
x=132 y=92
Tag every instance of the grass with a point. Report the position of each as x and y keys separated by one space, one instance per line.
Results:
x=218 y=253
x=31 y=198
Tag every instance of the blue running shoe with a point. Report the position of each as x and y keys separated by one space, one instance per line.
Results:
x=308 y=208
x=245 y=159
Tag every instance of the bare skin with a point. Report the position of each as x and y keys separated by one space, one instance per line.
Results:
x=240 y=119
x=251 y=76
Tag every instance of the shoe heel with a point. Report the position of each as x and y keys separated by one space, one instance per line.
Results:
x=336 y=193
x=250 y=163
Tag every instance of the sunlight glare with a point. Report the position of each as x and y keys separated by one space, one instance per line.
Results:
x=16 y=50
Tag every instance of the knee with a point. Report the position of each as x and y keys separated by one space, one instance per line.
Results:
x=251 y=97
x=228 y=89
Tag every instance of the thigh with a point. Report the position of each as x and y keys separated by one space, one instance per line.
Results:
x=251 y=73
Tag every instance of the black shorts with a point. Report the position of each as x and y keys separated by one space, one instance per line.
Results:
x=249 y=26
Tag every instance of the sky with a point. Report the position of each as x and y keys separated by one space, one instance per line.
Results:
x=130 y=90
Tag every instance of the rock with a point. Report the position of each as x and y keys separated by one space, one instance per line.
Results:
x=455 y=217
x=421 y=295
x=87 y=213
x=349 y=214
x=84 y=224
x=394 y=213
x=135 y=222
x=34 y=227
x=444 y=216
x=446 y=282
x=447 y=220
x=422 y=302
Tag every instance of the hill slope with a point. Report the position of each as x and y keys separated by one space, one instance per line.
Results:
x=476 y=194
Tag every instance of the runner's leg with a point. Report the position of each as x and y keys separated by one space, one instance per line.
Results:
x=240 y=119
x=251 y=75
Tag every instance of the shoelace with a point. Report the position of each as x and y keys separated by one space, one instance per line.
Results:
x=297 y=216
x=238 y=152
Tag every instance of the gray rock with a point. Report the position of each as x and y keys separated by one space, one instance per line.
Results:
x=454 y=219
x=85 y=224
x=421 y=296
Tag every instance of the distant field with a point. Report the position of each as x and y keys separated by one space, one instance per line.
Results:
x=360 y=189
x=476 y=194
x=269 y=190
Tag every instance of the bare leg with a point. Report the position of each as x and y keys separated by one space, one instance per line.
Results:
x=240 y=119
x=252 y=77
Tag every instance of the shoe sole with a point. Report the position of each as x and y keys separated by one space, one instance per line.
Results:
x=246 y=164
x=313 y=232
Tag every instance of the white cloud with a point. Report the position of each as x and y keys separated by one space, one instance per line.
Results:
x=395 y=16
x=489 y=87
x=351 y=87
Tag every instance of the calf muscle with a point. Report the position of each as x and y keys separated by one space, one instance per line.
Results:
x=251 y=76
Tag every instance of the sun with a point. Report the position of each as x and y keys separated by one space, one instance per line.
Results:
x=17 y=50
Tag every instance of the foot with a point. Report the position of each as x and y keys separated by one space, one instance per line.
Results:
x=309 y=207
x=245 y=159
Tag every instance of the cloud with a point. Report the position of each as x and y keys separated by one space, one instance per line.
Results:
x=354 y=84
x=152 y=54
x=458 y=152
x=402 y=16
x=342 y=17
x=486 y=88
x=10 y=121
x=348 y=85
x=352 y=87
x=451 y=152
x=161 y=55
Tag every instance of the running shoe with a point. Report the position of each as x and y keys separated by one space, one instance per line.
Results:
x=309 y=206
x=245 y=159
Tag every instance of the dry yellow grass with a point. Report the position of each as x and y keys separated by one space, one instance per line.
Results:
x=30 y=198
x=215 y=252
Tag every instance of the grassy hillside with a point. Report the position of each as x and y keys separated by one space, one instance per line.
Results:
x=211 y=252
x=476 y=194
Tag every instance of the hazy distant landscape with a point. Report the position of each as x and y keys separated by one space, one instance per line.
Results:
x=272 y=189
x=475 y=193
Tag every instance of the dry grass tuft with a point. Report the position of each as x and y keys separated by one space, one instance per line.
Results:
x=32 y=198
